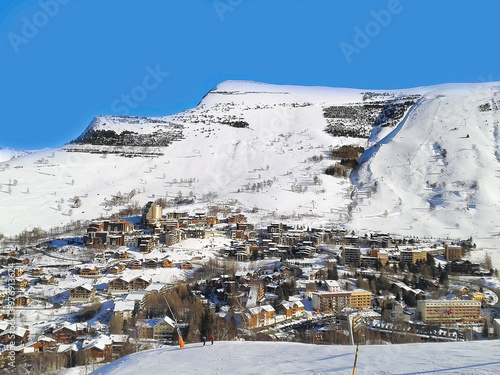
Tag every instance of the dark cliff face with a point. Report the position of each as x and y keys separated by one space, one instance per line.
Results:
x=358 y=119
x=161 y=133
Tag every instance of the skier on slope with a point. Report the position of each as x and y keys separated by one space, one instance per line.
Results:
x=204 y=339
x=212 y=339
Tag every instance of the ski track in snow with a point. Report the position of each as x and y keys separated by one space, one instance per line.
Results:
x=293 y=358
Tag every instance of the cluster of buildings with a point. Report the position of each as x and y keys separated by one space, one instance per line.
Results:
x=260 y=296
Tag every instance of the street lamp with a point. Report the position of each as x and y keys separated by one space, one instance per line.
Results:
x=181 y=341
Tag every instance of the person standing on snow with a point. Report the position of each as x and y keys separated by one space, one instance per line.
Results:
x=212 y=339
x=204 y=339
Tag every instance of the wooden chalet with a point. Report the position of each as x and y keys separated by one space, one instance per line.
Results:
x=22 y=300
x=16 y=335
x=167 y=263
x=47 y=279
x=135 y=265
x=117 y=268
x=68 y=333
x=99 y=349
x=82 y=293
x=89 y=270
x=151 y=263
x=139 y=283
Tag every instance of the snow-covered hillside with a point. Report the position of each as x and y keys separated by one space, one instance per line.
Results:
x=438 y=171
x=291 y=358
x=253 y=143
x=431 y=167
x=10 y=153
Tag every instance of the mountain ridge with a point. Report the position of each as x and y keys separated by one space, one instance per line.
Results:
x=266 y=149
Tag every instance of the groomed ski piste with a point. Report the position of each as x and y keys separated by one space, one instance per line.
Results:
x=237 y=357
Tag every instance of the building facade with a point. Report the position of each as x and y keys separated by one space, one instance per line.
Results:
x=450 y=311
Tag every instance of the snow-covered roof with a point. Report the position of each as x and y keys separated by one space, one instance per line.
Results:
x=124 y=305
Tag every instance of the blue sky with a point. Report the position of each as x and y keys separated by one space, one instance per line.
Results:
x=65 y=61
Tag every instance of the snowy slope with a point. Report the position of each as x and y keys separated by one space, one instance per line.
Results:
x=286 y=129
x=259 y=146
x=439 y=170
x=10 y=153
x=292 y=358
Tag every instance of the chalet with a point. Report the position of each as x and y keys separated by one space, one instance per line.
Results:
x=291 y=309
x=151 y=263
x=22 y=300
x=69 y=351
x=260 y=316
x=21 y=283
x=18 y=271
x=117 y=268
x=167 y=263
x=186 y=266
x=464 y=266
x=124 y=285
x=236 y=218
x=135 y=265
x=47 y=279
x=68 y=333
x=121 y=255
x=41 y=344
x=89 y=270
x=16 y=335
x=158 y=329
x=140 y=283
x=120 y=285
x=37 y=271
x=99 y=349
x=120 y=343
x=82 y=293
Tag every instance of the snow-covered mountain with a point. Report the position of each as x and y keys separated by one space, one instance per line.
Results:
x=430 y=165
x=237 y=357
x=439 y=170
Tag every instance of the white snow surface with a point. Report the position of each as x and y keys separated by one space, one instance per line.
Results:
x=7 y=154
x=238 y=357
x=434 y=174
